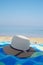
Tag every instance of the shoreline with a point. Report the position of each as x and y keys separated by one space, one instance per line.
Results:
x=32 y=39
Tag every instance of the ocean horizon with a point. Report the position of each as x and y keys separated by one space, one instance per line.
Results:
x=23 y=30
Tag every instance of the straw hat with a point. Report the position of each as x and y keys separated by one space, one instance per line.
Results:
x=20 y=47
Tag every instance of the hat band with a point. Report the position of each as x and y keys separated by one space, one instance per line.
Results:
x=19 y=49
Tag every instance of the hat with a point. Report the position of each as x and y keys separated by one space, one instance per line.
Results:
x=20 y=47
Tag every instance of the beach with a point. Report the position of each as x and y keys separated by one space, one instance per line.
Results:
x=32 y=39
x=37 y=39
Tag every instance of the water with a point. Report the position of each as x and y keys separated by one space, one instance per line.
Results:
x=25 y=30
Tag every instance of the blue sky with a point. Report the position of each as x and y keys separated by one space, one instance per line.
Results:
x=20 y=14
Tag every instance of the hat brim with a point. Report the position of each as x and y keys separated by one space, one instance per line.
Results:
x=9 y=50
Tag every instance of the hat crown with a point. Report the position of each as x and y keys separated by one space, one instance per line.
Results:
x=20 y=42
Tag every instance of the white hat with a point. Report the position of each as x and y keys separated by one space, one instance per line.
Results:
x=19 y=45
x=20 y=42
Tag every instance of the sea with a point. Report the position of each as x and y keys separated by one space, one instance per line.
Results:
x=31 y=31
